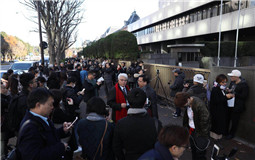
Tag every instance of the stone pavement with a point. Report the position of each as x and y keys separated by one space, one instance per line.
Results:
x=245 y=152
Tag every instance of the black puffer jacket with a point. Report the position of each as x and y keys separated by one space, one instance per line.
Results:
x=178 y=84
x=198 y=91
x=69 y=92
x=241 y=91
x=108 y=74
x=135 y=134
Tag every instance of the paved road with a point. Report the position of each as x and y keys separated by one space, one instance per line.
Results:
x=165 y=115
x=244 y=152
x=5 y=67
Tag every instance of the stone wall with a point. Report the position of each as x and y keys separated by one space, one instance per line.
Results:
x=246 y=127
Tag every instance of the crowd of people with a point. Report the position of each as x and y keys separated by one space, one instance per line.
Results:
x=126 y=126
x=209 y=113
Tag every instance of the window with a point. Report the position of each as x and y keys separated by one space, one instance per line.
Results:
x=172 y=24
x=164 y=26
x=214 y=11
x=252 y=3
x=209 y=13
x=227 y=7
x=204 y=14
x=199 y=15
x=180 y=57
x=187 y=19
x=195 y=16
x=183 y=20
x=191 y=17
x=167 y=25
x=176 y=22
x=157 y=28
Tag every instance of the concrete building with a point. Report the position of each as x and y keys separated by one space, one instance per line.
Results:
x=178 y=24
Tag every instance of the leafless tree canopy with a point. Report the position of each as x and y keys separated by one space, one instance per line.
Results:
x=60 y=20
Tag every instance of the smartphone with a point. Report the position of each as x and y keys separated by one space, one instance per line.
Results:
x=215 y=151
x=76 y=118
x=83 y=90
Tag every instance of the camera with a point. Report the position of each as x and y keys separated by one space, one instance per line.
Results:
x=157 y=71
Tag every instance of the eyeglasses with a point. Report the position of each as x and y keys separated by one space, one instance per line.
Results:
x=186 y=146
x=123 y=80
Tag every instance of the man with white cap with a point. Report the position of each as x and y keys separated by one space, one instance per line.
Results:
x=198 y=89
x=239 y=89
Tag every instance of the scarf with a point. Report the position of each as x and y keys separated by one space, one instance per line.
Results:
x=94 y=117
x=120 y=98
x=136 y=110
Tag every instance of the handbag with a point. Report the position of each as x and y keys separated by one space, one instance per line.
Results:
x=200 y=142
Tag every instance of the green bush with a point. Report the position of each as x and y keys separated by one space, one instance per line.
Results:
x=119 y=45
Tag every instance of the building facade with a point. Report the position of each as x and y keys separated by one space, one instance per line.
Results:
x=178 y=24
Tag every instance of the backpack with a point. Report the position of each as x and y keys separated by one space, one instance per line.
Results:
x=14 y=113
x=14 y=154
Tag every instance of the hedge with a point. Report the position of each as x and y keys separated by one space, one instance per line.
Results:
x=227 y=49
x=119 y=45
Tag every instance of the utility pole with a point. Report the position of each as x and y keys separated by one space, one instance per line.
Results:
x=237 y=32
x=40 y=30
x=218 y=61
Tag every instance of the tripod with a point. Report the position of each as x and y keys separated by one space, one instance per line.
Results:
x=159 y=82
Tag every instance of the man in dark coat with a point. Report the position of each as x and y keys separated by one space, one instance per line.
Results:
x=117 y=98
x=108 y=75
x=177 y=87
x=198 y=89
x=239 y=89
x=91 y=86
x=136 y=133
x=38 y=138
x=5 y=101
x=28 y=83
x=69 y=94
x=151 y=101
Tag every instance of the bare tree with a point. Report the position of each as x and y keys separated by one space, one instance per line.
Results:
x=60 y=20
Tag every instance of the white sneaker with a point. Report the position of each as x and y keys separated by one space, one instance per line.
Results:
x=78 y=150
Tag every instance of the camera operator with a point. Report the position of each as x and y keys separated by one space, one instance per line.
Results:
x=177 y=87
x=151 y=101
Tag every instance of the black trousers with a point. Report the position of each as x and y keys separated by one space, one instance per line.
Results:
x=108 y=87
x=233 y=121
x=196 y=154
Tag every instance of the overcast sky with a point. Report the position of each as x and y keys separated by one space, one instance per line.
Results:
x=98 y=16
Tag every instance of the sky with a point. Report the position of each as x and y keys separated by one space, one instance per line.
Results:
x=98 y=16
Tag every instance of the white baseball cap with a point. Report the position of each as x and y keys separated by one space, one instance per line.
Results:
x=199 y=78
x=235 y=73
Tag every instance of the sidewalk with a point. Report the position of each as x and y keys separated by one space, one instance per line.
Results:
x=245 y=151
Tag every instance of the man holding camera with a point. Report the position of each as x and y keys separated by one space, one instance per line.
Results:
x=151 y=101
x=177 y=87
